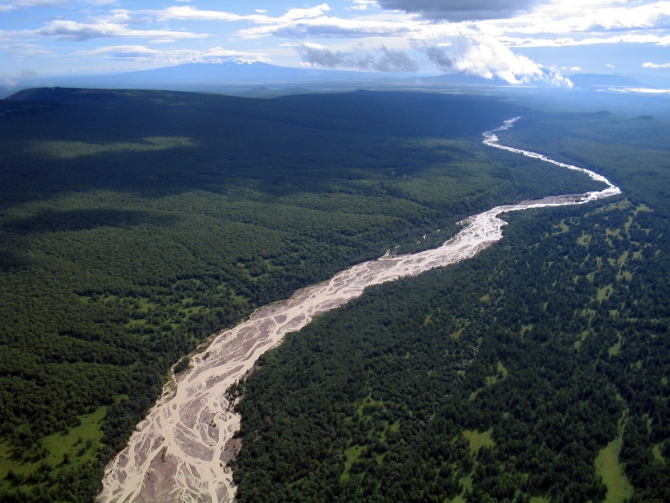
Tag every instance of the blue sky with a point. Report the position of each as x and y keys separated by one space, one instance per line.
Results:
x=516 y=40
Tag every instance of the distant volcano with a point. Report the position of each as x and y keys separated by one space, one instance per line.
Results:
x=210 y=76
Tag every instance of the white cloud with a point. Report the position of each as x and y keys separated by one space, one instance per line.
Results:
x=363 y=4
x=191 y=13
x=461 y=10
x=173 y=56
x=297 y=23
x=575 y=69
x=473 y=54
x=587 y=16
x=477 y=47
x=7 y=81
x=486 y=57
x=557 y=17
x=6 y=6
x=565 y=42
x=644 y=90
x=187 y=12
x=380 y=60
x=72 y=30
x=609 y=66
x=27 y=50
x=654 y=65
x=123 y=16
x=329 y=27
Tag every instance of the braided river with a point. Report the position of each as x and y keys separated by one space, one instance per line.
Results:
x=179 y=452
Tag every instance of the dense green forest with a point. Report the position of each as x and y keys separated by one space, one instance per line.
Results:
x=133 y=224
x=537 y=371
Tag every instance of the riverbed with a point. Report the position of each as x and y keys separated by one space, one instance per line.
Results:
x=179 y=452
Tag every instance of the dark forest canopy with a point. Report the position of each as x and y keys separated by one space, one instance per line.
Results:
x=133 y=224
x=537 y=371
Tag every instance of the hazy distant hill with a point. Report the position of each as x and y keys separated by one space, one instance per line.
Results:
x=230 y=72
x=595 y=80
x=209 y=77
x=463 y=79
x=247 y=78
x=234 y=76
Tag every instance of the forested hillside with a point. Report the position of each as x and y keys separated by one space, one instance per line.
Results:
x=538 y=371
x=135 y=224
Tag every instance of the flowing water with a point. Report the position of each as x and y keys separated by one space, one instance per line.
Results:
x=179 y=452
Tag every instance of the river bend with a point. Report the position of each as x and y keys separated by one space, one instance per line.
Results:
x=179 y=452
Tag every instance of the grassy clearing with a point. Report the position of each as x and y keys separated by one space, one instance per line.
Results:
x=605 y=292
x=581 y=340
x=146 y=305
x=619 y=205
x=78 y=444
x=610 y=469
x=628 y=276
x=5 y=464
x=656 y=451
x=622 y=259
x=563 y=228
x=478 y=440
x=351 y=455
x=642 y=208
x=502 y=374
x=367 y=405
x=457 y=334
x=466 y=484
x=614 y=350
x=491 y=380
x=74 y=443
x=584 y=239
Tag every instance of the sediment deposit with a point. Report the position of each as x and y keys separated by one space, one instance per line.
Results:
x=179 y=452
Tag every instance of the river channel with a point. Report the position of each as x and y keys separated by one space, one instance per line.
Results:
x=179 y=452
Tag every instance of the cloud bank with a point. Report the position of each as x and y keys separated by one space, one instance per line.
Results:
x=382 y=60
x=7 y=6
x=485 y=57
x=72 y=30
x=475 y=55
x=655 y=65
x=462 y=10
x=174 y=56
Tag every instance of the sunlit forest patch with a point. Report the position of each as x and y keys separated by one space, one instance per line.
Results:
x=74 y=149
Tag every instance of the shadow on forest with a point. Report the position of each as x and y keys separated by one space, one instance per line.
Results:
x=278 y=147
x=10 y=260
x=79 y=220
